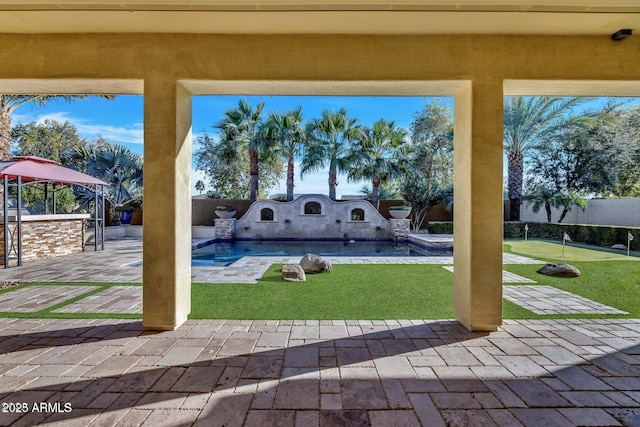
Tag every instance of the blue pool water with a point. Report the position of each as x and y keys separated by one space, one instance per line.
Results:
x=221 y=254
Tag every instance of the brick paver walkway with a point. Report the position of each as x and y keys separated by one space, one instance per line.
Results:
x=549 y=300
x=36 y=298
x=116 y=299
x=319 y=373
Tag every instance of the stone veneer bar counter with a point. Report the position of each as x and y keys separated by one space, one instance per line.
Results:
x=47 y=236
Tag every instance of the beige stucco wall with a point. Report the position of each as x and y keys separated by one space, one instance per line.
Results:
x=308 y=57
x=623 y=212
x=474 y=68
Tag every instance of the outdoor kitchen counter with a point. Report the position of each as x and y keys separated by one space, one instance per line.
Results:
x=44 y=236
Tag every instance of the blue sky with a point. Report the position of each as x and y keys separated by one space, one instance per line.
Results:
x=121 y=121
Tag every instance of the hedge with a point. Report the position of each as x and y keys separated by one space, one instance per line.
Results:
x=599 y=235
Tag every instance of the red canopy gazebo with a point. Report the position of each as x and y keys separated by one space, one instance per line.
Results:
x=33 y=169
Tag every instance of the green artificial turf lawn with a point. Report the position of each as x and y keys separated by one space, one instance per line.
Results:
x=605 y=277
x=552 y=250
x=395 y=291
x=348 y=292
x=613 y=283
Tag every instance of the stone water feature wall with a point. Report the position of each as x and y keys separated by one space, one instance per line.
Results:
x=225 y=228
x=48 y=239
x=400 y=229
x=313 y=217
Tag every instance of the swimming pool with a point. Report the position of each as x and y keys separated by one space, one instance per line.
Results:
x=225 y=253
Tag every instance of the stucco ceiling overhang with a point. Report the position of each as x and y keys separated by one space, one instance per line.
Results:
x=556 y=17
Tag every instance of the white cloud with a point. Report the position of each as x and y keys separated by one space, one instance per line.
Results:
x=40 y=118
x=133 y=134
x=113 y=134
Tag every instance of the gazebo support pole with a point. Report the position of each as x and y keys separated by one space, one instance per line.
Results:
x=103 y=218
x=96 y=220
x=53 y=208
x=46 y=198
x=5 y=209
x=19 y=218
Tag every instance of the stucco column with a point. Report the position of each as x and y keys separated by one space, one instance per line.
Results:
x=477 y=279
x=167 y=205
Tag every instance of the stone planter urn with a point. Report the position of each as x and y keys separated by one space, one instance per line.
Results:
x=400 y=212
x=225 y=212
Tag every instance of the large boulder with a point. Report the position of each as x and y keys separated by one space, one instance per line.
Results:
x=312 y=263
x=562 y=270
x=293 y=273
x=619 y=246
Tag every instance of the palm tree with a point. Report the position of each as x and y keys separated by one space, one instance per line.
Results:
x=543 y=196
x=241 y=127
x=200 y=186
x=568 y=200
x=118 y=166
x=288 y=134
x=380 y=156
x=555 y=199
x=9 y=103
x=526 y=122
x=329 y=143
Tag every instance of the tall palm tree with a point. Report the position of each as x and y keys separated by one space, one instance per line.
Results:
x=380 y=156
x=9 y=103
x=240 y=127
x=288 y=134
x=329 y=143
x=526 y=122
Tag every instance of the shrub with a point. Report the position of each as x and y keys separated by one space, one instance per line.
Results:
x=226 y=208
x=436 y=227
x=598 y=235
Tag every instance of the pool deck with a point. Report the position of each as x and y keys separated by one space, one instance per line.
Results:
x=116 y=264
x=433 y=240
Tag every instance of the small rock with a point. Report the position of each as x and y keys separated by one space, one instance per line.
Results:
x=293 y=273
x=619 y=246
x=312 y=263
x=562 y=270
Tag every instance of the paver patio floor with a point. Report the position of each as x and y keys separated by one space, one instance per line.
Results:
x=36 y=298
x=549 y=300
x=116 y=299
x=104 y=372
x=319 y=373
